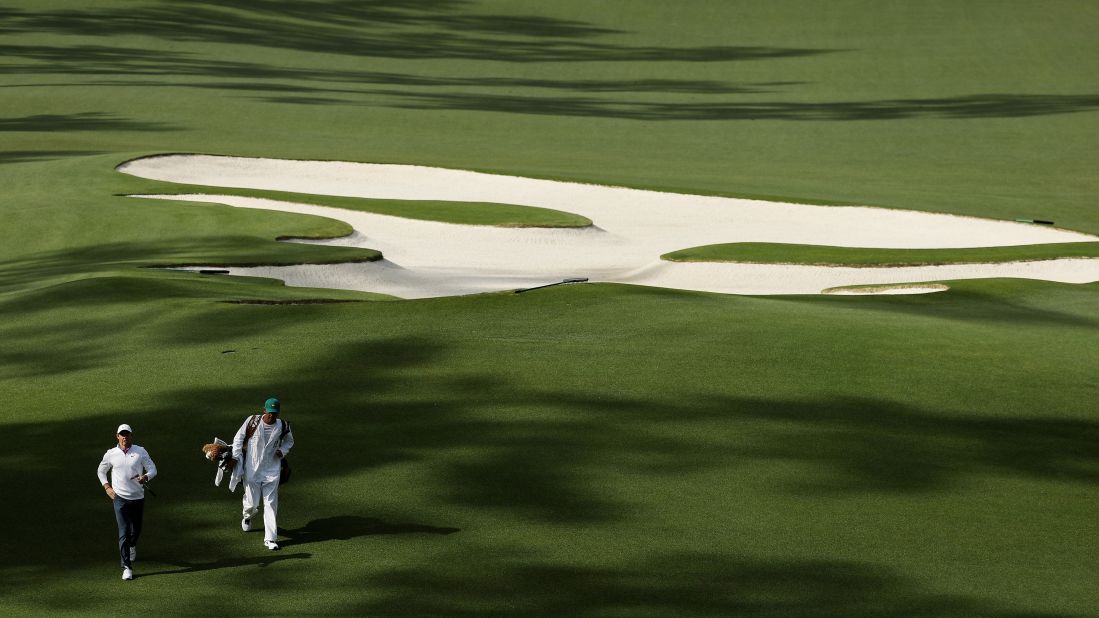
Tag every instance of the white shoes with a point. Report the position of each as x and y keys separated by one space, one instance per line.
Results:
x=127 y=574
x=246 y=524
x=272 y=545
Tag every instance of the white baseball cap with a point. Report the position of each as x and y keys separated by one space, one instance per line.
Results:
x=124 y=427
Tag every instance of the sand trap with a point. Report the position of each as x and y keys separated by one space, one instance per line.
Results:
x=632 y=229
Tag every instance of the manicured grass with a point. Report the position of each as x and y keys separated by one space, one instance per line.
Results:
x=768 y=466
x=581 y=450
x=982 y=109
x=820 y=255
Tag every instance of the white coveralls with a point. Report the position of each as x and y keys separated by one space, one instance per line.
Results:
x=261 y=470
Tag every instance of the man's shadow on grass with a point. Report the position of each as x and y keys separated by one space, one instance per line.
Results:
x=341 y=528
x=346 y=527
x=225 y=563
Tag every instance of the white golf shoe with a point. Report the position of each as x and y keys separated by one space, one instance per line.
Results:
x=127 y=574
x=246 y=524
x=272 y=545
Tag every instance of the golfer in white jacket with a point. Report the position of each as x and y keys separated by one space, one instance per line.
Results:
x=260 y=454
x=123 y=472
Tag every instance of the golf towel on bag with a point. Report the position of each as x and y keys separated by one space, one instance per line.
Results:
x=220 y=453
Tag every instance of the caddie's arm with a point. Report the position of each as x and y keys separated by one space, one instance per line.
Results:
x=238 y=440
x=287 y=443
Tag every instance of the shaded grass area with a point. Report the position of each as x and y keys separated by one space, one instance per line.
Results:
x=38 y=269
x=330 y=27
x=963 y=107
x=535 y=466
x=821 y=255
x=118 y=286
x=58 y=230
x=468 y=213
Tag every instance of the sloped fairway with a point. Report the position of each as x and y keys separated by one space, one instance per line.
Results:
x=586 y=450
x=598 y=450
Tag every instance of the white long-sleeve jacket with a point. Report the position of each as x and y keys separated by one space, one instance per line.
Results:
x=257 y=458
x=124 y=469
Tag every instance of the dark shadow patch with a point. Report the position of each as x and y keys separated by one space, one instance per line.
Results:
x=26 y=156
x=85 y=121
x=863 y=445
x=409 y=30
x=179 y=252
x=347 y=527
x=964 y=107
x=679 y=584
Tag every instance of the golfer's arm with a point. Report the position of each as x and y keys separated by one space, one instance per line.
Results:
x=103 y=470
x=150 y=467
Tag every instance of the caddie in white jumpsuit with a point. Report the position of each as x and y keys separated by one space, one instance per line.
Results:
x=260 y=456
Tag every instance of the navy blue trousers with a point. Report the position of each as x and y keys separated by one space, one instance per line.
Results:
x=128 y=514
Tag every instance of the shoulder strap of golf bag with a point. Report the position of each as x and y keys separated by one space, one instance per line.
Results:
x=251 y=428
x=285 y=430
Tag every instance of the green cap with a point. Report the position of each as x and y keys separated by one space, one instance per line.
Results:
x=271 y=406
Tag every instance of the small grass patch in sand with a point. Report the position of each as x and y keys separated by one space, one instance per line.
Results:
x=467 y=213
x=821 y=255
x=892 y=288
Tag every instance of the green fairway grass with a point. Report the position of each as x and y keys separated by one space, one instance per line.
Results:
x=820 y=255
x=984 y=109
x=579 y=450
x=793 y=467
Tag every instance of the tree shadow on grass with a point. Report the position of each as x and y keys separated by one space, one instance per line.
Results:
x=864 y=445
x=92 y=60
x=535 y=465
x=84 y=121
x=545 y=469
x=484 y=442
x=26 y=156
x=235 y=249
x=409 y=30
x=538 y=466
x=347 y=527
x=961 y=107
x=683 y=584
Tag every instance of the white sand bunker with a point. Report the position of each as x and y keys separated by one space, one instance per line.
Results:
x=633 y=228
